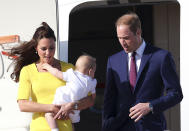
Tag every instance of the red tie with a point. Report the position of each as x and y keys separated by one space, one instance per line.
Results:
x=133 y=72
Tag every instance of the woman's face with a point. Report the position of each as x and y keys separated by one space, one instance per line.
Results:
x=46 y=50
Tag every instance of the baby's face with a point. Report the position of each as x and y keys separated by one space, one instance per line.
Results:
x=92 y=72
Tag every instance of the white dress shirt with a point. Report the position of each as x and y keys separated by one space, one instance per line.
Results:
x=138 y=56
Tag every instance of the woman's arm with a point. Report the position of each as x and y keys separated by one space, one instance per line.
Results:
x=30 y=106
x=68 y=108
x=85 y=102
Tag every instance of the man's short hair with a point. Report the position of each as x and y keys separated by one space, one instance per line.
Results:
x=130 y=19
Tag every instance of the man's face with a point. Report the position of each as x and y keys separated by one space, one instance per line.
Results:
x=128 y=40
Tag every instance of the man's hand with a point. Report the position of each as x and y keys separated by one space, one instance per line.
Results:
x=139 y=110
x=64 y=111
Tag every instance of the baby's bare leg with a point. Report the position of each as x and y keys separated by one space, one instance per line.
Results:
x=73 y=127
x=51 y=121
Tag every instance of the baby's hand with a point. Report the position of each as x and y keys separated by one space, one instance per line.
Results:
x=46 y=66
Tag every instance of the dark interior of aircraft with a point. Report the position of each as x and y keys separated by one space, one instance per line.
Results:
x=92 y=31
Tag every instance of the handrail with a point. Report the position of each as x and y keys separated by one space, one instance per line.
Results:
x=8 y=54
x=9 y=39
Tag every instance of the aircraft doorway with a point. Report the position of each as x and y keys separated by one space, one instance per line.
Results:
x=92 y=31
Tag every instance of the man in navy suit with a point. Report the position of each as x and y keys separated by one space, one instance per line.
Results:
x=139 y=107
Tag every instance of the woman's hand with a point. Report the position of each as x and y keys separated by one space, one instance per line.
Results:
x=64 y=111
x=68 y=108
x=55 y=108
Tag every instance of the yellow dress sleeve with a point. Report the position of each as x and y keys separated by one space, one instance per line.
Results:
x=65 y=66
x=24 y=85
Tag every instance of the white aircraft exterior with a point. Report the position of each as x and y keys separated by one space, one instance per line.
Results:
x=22 y=17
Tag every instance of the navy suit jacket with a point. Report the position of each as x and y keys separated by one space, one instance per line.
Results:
x=156 y=75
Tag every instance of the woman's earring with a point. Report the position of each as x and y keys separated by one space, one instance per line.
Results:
x=35 y=52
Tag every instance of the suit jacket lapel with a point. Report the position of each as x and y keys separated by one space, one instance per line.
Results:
x=124 y=65
x=125 y=70
x=145 y=57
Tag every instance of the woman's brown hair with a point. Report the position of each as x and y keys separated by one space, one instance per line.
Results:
x=26 y=52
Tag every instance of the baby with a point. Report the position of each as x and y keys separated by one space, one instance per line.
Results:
x=79 y=83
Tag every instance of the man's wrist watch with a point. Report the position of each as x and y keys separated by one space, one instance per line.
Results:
x=76 y=106
x=151 y=107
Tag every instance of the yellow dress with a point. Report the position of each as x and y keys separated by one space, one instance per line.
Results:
x=40 y=87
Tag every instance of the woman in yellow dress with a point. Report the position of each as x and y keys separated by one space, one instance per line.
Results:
x=36 y=86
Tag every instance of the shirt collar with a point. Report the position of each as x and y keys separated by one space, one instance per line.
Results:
x=140 y=50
